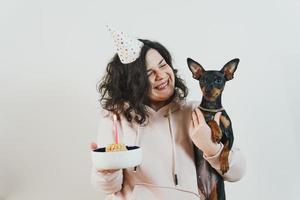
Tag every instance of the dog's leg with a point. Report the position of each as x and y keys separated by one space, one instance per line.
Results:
x=214 y=193
x=224 y=163
x=216 y=133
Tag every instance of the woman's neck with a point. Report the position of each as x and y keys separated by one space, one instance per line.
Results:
x=156 y=105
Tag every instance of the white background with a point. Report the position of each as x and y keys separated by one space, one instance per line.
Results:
x=52 y=54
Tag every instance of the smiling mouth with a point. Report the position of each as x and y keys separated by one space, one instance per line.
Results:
x=163 y=85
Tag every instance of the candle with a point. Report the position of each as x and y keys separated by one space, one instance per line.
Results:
x=116 y=128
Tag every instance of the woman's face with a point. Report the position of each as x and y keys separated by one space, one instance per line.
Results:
x=160 y=76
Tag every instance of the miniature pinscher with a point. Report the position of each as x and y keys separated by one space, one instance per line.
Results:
x=212 y=84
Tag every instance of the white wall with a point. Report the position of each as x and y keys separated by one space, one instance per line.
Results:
x=52 y=53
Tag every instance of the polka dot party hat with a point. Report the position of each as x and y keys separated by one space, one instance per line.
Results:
x=128 y=48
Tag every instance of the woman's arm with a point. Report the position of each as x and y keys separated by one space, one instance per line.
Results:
x=106 y=181
x=200 y=134
x=237 y=164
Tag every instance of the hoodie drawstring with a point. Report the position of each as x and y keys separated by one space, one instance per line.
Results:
x=173 y=149
x=174 y=166
x=137 y=142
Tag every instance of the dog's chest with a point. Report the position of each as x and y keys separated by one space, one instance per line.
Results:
x=208 y=115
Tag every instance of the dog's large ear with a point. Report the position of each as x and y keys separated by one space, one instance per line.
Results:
x=195 y=68
x=229 y=68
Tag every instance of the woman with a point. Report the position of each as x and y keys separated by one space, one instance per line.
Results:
x=148 y=96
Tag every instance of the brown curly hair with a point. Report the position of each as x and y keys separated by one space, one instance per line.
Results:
x=127 y=84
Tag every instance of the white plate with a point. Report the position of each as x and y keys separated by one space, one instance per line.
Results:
x=118 y=159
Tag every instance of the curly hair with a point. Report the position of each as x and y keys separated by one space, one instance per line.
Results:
x=124 y=88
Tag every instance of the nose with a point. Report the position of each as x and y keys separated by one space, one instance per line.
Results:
x=208 y=89
x=159 y=75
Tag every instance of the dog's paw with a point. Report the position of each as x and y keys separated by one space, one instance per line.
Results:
x=216 y=133
x=224 y=167
x=217 y=137
x=224 y=163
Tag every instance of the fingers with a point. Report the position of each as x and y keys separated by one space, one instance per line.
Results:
x=217 y=117
x=197 y=118
x=106 y=171
x=93 y=146
x=201 y=119
x=194 y=119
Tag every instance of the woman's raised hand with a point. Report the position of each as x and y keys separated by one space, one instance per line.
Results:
x=200 y=133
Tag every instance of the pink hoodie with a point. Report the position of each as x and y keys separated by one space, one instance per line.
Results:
x=167 y=152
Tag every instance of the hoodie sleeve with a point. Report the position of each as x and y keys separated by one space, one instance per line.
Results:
x=237 y=161
x=237 y=164
x=107 y=182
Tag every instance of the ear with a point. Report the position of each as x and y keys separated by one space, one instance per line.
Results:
x=195 y=68
x=229 y=68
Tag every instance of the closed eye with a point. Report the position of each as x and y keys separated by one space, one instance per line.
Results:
x=163 y=65
x=149 y=73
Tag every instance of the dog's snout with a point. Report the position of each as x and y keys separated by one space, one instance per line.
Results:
x=207 y=89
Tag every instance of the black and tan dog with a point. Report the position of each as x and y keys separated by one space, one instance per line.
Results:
x=212 y=84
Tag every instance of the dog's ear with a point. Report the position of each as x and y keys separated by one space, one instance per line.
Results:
x=229 y=68
x=195 y=68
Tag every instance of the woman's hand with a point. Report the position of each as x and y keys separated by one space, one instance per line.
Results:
x=93 y=146
x=200 y=133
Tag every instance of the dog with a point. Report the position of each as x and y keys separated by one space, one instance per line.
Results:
x=212 y=84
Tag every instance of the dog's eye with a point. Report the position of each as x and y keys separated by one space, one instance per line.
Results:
x=218 y=80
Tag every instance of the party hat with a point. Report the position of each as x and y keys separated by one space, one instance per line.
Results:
x=128 y=48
